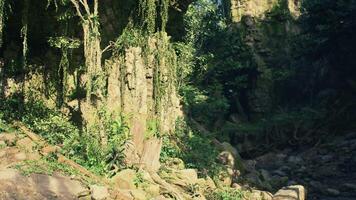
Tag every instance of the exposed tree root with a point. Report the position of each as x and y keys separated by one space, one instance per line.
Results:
x=168 y=187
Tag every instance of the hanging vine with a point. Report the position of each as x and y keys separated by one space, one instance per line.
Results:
x=65 y=45
x=92 y=50
x=164 y=14
x=148 y=14
x=24 y=32
x=2 y=20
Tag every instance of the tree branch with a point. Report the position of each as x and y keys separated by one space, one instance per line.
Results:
x=77 y=7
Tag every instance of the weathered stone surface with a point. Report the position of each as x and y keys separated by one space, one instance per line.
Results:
x=150 y=156
x=9 y=156
x=139 y=194
x=122 y=195
x=99 y=192
x=131 y=89
x=294 y=192
x=152 y=189
x=26 y=143
x=20 y=156
x=189 y=175
x=8 y=138
x=125 y=179
x=37 y=186
x=161 y=197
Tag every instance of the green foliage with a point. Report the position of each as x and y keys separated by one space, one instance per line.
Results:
x=205 y=106
x=46 y=165
x=56 y=129
x=226 y=194
x=130 y=37
x=196 y=150
x=88 y=151
x=280 y=11
x=64 y=42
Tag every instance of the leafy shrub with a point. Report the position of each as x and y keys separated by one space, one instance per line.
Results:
x=196 y=150
x=56 y=129
x=226 y=194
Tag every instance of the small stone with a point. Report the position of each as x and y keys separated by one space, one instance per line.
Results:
x=99 y=192
x=350 y=186
x=333 y=192
x=294 y=192
x=237 y=186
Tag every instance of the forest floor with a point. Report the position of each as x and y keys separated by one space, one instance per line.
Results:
x=24 y=175
x=327 y=170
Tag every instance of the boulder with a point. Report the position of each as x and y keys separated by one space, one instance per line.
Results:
x=122 y=195
x=189 y=175
x=139 y=194
x=332 y=192
x=125 y=179
x=294 y=192
x=26 y=143
x=260 y=195
x=99 y=192
x=14 y=185
x=8 y=138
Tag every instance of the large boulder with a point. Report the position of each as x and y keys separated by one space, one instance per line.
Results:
x=99 y=192
x=260 y=195
x=38 y=186
x=125 y=179
x=294 y=192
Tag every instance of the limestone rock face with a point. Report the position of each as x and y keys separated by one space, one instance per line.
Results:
x=141 y=86
x=295 y=192
x=258 y=8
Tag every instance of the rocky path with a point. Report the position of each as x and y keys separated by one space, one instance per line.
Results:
x=328 y=171
x=14 y=150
